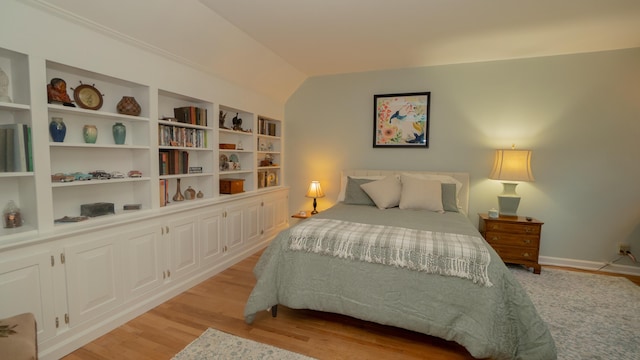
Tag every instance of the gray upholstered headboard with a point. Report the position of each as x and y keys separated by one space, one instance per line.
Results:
x=463 y=196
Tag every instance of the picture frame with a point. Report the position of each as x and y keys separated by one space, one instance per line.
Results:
x=401 y=120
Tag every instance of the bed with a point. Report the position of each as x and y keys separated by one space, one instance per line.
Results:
x=472 y=300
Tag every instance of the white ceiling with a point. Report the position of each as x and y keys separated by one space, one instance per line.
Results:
x=274 y=45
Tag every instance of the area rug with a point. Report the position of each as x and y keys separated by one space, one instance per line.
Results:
x=217 y=345
x=590 y=317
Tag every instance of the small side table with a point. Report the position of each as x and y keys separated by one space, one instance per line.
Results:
x=514 y=238
x=299 y=215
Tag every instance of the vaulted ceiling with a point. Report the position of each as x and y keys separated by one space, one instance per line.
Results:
x=273 y=46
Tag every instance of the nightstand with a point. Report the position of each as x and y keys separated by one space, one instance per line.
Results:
x=299 y=215
x=514 y=238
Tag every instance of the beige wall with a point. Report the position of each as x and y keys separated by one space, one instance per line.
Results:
x=580 y=114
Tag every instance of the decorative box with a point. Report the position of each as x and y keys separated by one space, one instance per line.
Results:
x=228 y=146
x=96 y=209
x=231 y=186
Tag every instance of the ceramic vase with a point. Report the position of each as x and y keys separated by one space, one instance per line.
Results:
x=178 y=196
x=128 y=106
x=190 y=194
x=90 y=134
x=57 y=129
x=119 y=133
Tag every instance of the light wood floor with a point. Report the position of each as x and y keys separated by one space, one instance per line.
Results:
x=219 y=302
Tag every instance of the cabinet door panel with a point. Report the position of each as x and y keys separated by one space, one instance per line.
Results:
x=253 y=221
x=142 y=257
x=183 y=254
x=235 y=225
x=25 y=285
x=92 y=279
x=211 y=235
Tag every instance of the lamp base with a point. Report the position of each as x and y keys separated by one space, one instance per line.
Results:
x=315 y=203
x=509 y=200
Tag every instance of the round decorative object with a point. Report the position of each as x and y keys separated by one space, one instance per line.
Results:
x=234 y=158
x=190 y=194
x=128 y=106
x=57 y=129
x=87 y=97
x=119 y=133
x=224 y=162
x=90 y=134
x=12 y=216
x=200 y=194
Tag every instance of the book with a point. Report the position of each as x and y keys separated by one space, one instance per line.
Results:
x=16 y=147
x=163 y=192
x=3 y=150
x=9 y=149
x=29 y=150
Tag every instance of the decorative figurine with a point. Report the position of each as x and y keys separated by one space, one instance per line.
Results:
x=57 y=92
x=237 y=123
x=223 y=115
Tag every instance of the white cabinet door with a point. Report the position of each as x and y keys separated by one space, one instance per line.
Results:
x=144 y=263
x=234 y=226
x=26 y=286
x=183 y=246
x=211 y=235
x=94 y=278
x=274 y=213
x=252 y=221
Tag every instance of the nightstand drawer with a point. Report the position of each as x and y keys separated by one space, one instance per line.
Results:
x=498 y=238
x=513 y=228
x=515 y=254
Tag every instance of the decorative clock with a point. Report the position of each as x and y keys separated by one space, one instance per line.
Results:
x=87 y=97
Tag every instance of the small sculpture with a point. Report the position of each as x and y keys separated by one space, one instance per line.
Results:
x=223 y=115
x=237 y=123
x=57 y=92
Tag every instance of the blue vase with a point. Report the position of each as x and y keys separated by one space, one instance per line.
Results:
x=57 y=129
x=119 y=133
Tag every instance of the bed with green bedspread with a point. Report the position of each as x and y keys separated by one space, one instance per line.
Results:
x=497 y=321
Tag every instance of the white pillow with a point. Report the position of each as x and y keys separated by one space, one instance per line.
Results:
x=446 y=179
x=421 y=194
x=385 y=192
x=344 y=180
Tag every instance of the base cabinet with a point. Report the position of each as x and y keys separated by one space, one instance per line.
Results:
x=26 y=286
x=82 y=286
x=93 y=278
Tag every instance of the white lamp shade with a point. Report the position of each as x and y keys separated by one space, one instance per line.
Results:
x=315 y=190
x=512 y=165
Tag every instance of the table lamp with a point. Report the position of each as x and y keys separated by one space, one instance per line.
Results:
x=315 y=191
x=511 y=165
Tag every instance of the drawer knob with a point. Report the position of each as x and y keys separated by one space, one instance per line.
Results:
x=525 y=254
x=528 y=230
x=527 y=241
x=495 y=238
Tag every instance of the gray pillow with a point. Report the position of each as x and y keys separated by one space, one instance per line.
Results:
x=449 y=198
x=354 y=195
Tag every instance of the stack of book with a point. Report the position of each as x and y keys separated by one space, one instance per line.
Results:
x=191 y=115
x=15 y=148
x=173 y=162
x=180 y=136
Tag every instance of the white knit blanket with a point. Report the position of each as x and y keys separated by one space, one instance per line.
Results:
x=440 y=253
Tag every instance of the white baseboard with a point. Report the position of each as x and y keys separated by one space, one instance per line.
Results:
x=591 y=265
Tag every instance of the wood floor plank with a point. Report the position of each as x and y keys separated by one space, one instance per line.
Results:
x=219 y=303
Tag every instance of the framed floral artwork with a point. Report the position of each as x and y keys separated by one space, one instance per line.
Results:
x=401 y=120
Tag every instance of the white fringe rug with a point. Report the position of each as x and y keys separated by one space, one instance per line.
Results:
x=217 y=345
x=591 y=317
